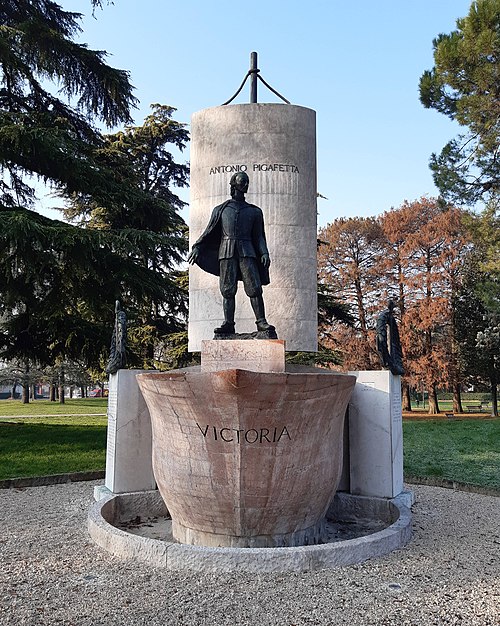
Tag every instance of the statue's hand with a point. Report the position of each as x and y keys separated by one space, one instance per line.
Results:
x=265 y=260
x=193 y=255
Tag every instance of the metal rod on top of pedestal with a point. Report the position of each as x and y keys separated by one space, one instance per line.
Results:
x=253 y=83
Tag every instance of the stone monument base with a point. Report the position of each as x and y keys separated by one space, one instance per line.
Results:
x=246 y=454
x=256 y=356
x=128 y=451
x=376 y=435
x=137 y=526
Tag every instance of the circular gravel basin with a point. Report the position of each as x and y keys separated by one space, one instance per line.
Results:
x=138 y=526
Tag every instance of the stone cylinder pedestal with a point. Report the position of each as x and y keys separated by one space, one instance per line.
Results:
x=275 y=144
x=247 y=459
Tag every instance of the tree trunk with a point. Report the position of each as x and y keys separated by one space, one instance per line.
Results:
x=71 y=391
x=101 y=385
x=433 y=400
x=406 y=397
x=365 y=363
x=32 y=392
x=494 y=394
x=26 y=384
x=52 y=392
x=61 y=385
x=457 y=399
x=82 y=391
x=26 y=393
x=13 y=392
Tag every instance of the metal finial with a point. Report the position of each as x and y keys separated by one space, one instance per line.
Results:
x=254 y=73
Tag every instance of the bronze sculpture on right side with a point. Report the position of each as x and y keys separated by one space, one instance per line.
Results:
x=389 y=348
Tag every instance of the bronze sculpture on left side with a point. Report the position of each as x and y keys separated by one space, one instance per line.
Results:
x=118 y=351
x=233 y=247
x=389 y=347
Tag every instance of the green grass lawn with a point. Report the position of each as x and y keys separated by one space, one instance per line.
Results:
x=447 y=405
x=42 y=446
x=45 y=407
x=466 y=450
x=444 y=405
x=463 y=450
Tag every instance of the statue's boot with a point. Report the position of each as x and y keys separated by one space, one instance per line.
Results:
x=227 y=327
x=262 y=325
x=257 y=303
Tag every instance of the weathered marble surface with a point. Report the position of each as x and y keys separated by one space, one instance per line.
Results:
x=376 y=435
x=249 y=354
x=129 y=441
x=246 y=458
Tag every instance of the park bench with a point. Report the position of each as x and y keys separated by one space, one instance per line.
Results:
x=474 y=407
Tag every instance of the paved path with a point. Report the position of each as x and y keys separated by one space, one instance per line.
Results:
x=51 y=573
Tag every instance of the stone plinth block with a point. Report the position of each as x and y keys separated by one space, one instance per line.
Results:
x=376 y=435
x=250 y=354
x=275 y=145
x=244 y=458
x=129 y=445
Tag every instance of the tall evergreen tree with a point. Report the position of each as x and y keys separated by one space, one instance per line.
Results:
x=42 y=134
x=484 y=229
x=58 y=282
x=464 y=85
x=482 y=340
x=478 y=335
x=144 y=172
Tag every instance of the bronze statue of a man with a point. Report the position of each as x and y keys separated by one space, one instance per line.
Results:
x=233 y=247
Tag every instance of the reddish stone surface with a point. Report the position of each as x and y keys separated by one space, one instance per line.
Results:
x=240 y=454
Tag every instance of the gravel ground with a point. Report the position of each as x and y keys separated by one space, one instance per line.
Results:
x=51 y=573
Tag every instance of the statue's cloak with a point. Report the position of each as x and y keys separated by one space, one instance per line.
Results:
x=210 y=240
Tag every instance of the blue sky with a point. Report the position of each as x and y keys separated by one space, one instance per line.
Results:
x=356 y=63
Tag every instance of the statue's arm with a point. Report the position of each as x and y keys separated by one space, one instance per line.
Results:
x=207 y=233
x=259 y=237
x=193 y=255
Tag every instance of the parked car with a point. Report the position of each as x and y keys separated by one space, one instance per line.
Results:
x=97 y=393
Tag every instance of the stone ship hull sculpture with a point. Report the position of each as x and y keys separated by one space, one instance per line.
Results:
x=247 y=459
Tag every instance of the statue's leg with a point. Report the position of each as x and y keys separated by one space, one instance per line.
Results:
x=229 y=306
x=258 y=308
x=253 y=288
x=228 y=283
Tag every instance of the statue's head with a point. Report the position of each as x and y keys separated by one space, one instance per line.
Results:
x=239 y=181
